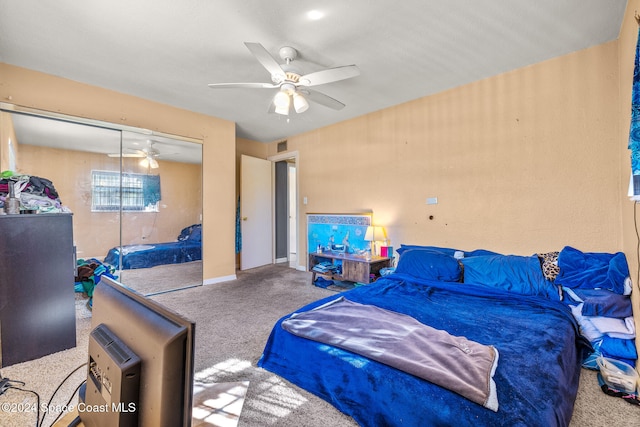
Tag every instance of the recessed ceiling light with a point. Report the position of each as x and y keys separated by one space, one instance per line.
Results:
x=315 y=14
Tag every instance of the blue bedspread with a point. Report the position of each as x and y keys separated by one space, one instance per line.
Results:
x=187 y=248
x=537 y=376
x=145 y=256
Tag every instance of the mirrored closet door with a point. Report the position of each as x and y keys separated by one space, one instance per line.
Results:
x=136 y=197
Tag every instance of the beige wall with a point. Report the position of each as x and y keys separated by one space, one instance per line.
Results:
x=96 y=232
x=27 y=88
x=523 y=162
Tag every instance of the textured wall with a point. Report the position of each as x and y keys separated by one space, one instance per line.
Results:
x=523 y=162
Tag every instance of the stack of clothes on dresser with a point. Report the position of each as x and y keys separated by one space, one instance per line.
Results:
x=597 y=288
x=36 y=194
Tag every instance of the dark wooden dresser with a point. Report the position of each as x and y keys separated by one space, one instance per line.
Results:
x=37 y=299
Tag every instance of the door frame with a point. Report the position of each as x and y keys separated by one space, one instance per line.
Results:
x=277 y=158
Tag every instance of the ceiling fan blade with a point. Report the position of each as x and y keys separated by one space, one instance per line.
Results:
x=329 y=75
x=265 y=58
x=242 y=85
x=323 y=99
x=125 y=155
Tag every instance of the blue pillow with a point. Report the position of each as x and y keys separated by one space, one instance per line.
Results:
x=430 y=265
x=593 y=270
x=192 y=232
x=479 y=252
x=513 y=273
x=447 y=251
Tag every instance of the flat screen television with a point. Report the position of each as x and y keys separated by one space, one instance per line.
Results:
x=131 y=326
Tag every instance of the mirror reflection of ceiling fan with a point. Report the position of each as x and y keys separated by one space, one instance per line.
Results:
x=149 y=154
x=292 y=85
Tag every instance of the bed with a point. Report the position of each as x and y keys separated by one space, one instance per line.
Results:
x=187 y=248
x=498 y=301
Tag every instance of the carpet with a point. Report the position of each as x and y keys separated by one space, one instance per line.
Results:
x=233 y=321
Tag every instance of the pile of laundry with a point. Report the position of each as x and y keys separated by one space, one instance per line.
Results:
x=35 y=194
x=88 y=275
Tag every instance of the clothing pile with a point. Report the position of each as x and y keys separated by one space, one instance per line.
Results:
x=597 y=288
x=88 y=275
x=35 y=194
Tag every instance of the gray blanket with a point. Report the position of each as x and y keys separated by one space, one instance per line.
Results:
x=455 y=363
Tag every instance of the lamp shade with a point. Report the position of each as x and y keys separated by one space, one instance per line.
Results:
x=375 y=233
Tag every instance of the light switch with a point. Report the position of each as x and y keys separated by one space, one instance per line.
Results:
x=432 y=200
x=304 y=200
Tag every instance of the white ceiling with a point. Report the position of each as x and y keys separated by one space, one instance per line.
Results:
x=64 y=135
x=168 y=51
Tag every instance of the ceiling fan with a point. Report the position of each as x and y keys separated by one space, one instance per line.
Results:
x=292 y=85
x=148 y=155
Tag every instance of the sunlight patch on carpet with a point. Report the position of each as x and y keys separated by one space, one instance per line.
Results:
x=219 y=398
x=219 y=371
x=273 y=401
x=218 y=404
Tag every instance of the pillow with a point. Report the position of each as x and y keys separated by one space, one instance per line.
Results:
x=192 y=232
x=549 y=265
x=479 y=252
x=513 y=273
x=594 y=270
x=430 y=265
x=403 y=248
x=448 y=251
x=196 y=234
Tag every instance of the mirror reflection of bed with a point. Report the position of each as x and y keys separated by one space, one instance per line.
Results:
x=154 y=268
x=83 y=159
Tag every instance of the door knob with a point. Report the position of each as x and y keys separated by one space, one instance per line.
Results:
x=244 y=218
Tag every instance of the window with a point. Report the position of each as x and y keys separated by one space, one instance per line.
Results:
x=140 y=193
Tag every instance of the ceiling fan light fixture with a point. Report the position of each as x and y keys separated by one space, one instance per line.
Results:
x=300 y=104
x=282 y=102
x=149 y=162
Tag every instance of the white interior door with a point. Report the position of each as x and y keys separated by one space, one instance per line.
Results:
x=256 y=218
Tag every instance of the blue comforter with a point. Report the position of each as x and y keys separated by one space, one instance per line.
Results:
x=146 y=256
x=537 y=376
x=187 y=248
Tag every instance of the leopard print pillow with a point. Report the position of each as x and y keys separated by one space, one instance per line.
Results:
x=549 y=264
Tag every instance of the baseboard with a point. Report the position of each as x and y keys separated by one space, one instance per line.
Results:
x=281 y=260
x=221 y=279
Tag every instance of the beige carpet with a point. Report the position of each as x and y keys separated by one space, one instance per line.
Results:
x=163 y=278
x=233 y=321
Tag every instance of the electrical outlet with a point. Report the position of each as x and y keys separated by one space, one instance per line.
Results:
x=432 y=200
